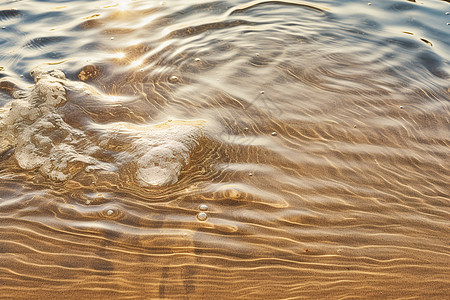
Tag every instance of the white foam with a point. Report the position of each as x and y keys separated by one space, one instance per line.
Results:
x=35 y=128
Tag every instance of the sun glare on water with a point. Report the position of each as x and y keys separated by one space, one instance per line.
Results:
x=119 y=55
x=123 y=4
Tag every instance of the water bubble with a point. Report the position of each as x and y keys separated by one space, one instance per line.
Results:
x=369 y=3
x=202 y=216
x=203 y=207
x=109 y=212
x=274 y=133
x=447 y=13
x=173 y=79
x=401 y=107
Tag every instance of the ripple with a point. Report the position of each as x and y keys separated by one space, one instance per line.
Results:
x=321 y=159
x=9 y=14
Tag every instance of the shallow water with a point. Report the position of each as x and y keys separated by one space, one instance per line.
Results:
x=321 y=169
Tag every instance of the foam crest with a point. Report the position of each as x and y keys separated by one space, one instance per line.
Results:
x=36 y=129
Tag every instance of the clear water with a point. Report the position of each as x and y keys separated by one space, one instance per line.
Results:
x=302 y=149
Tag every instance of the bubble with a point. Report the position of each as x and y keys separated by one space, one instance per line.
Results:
x=369 y=3
x=109 y=212
x=274 y=133
x=203 y=207
x=173 y=79
x=401 y=107
x=447 y=13
x=202 y=216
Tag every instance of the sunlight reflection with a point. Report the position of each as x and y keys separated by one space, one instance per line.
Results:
x=119 y=55
x=135 y=63
x=123 y=4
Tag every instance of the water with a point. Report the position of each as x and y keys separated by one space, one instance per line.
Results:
x=225 y=149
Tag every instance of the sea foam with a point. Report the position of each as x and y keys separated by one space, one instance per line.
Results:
x=34 y=126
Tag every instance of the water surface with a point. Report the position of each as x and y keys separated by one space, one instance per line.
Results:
x=322 y=164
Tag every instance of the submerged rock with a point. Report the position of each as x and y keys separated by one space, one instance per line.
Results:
x=35 y=126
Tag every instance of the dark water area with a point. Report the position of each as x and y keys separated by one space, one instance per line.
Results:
x=224 y=149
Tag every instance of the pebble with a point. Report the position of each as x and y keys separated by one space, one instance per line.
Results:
x=112 y=38
x=262 y=92
x=250 y=174
x=202 y=216
x=197 y=59
x=274 y=133
x=401 y=107
x=203 y=207
x=110 y=212
x=339 y=251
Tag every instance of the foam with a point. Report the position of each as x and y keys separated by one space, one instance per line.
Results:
x=34 y=127
x=158 y=152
